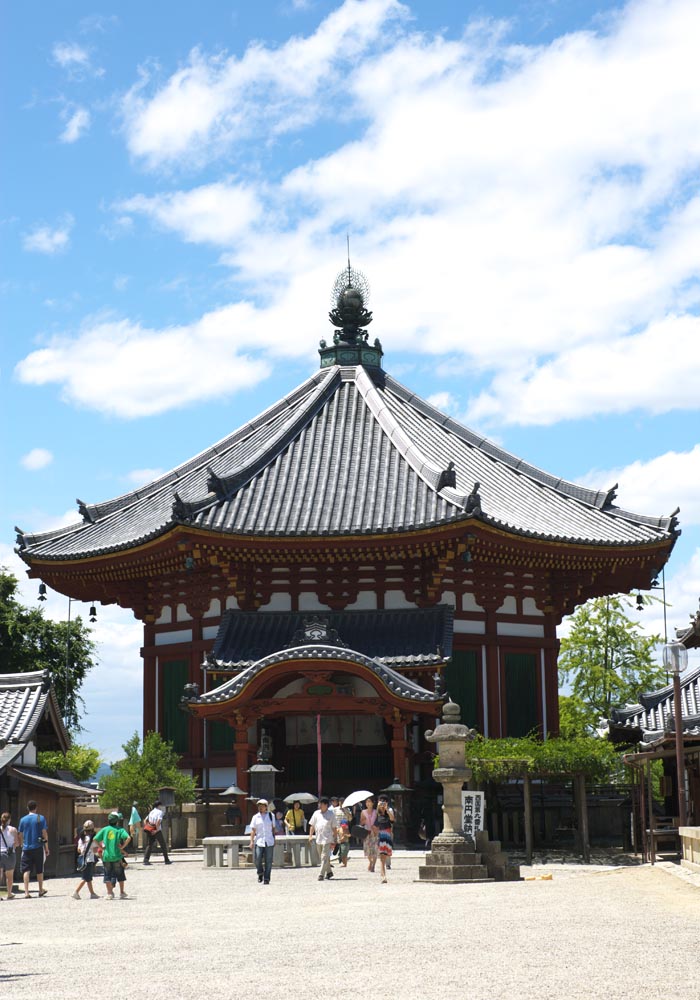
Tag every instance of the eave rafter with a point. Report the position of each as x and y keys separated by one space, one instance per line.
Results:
x=191 y=566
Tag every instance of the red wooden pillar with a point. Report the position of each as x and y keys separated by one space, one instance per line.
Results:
x=551 y=675
x=399 y=746
x=149 y=681
x=241 y=748
x=493 y=677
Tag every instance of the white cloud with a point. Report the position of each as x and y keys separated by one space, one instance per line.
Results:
x=660 y=485
x=117 y=679
x=444 y=401
x=657 y=370
x=142 y=477
x=37 y=458
x=127 y=370
x=532 y=212
x=77 y=124
x=212 y=101
x=215 y=213
x=44 y=239
x=70 y=54
x=121 y=281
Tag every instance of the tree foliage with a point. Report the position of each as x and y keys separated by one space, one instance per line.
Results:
x=501 y=760
x=607 y=662
x=143 y=771
x=30 y=641
x=81 y=760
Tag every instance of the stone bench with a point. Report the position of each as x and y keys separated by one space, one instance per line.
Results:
x=214 y=848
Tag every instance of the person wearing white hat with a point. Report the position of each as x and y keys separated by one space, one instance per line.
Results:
x=262 y=841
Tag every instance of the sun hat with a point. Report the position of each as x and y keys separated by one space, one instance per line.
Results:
x=262 y=802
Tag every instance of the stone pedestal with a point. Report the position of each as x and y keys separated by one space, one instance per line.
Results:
x=452 y=857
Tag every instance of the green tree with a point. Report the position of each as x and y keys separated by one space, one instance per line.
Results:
x=606 y=661
x=143 y=771
x=81 y=760
x=30 y=641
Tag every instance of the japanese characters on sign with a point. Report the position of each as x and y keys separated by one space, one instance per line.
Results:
x=472 y=813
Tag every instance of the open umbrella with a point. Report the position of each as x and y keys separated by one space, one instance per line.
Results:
x=304 y=797
x=355 y=797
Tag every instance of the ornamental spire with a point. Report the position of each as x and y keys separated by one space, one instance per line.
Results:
x=350 y=317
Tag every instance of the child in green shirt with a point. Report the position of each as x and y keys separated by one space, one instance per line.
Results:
x=114 y=840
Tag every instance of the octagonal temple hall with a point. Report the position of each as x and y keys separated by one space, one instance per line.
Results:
x=352 y=554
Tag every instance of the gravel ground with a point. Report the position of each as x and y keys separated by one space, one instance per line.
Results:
x=592 y=931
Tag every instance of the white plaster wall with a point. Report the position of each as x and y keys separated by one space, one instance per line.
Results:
x=232 y=602
x=170 y=638
x=166 y=616
x=469 y=627
x=530 y=608
x=278 y=602
x=366 y=601
x=294 y=687
x=448 y=597
x=519 y=628
x=310 y=602
x=509 y=607
x=395 y=599
x=223 y=776
x=29 y=756
x=469 y=603
x=182 y=615
x=209 y=631
x=214 y=608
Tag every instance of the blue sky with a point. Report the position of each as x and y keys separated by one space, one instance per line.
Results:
x=520 y=183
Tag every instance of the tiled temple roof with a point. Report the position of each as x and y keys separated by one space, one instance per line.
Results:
x=654 y=715
x=24 y=698
x=401 y=686
x=349 y=452
x=405 y=638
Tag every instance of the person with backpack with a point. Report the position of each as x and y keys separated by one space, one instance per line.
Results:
x=34 y=841
x=86 y=859
x=152 y=826
x=262 y=840
x=114 y=840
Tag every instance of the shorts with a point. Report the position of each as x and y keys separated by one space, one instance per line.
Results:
x=32 y=859
x=114 y=872
x=8 y=860
x=86 y=873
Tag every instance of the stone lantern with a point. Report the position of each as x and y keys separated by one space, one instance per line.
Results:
x=452 y=857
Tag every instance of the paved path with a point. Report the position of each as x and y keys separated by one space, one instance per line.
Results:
x=617 y=933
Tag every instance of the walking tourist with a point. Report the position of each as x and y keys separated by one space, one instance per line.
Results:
x=371 y=844
x=9 y=838
x=114 y=840
x=153 y=827
x=323 y=827
x=384 y=823
x=86 y=860
x=34 y=841
x=295 y=821
x=134 y=827
x=262 y=840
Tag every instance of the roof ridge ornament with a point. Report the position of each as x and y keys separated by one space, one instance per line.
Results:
x=350 y=317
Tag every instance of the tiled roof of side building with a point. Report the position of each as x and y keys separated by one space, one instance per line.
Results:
x=392 y=637
x=654 y=714
x=350 y=452
x=23 y=701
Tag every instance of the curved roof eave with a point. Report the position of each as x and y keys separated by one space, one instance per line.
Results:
x=395 y=683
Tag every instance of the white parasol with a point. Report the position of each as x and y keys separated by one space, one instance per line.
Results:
x=355 y=797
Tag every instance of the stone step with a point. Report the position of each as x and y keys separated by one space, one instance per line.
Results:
x=453 y=857
x=453 y=873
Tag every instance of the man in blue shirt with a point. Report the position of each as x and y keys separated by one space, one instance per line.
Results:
x=34 y=842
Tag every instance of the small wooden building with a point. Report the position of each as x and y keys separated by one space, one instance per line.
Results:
x=302 y=556
x=30 y=721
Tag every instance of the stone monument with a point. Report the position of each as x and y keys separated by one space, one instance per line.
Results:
x=453 y=857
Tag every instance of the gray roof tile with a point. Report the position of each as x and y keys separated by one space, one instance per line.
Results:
x=349 y=453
